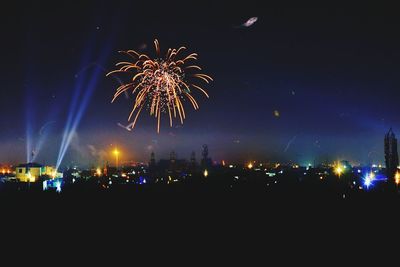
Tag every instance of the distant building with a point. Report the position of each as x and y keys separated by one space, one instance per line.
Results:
x=193 y=164
x=152 y=163
x=31 y=172
x=391 y=155
x=206 y=161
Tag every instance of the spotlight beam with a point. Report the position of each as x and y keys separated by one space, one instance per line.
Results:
x=79 y=105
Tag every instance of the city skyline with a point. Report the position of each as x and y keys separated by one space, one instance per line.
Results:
x=250 y=123
x=285 y=88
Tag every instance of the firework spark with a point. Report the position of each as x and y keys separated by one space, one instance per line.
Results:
x=161 y=85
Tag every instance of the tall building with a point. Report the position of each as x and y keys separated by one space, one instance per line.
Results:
x=192 y=164
x=172 y=157
x=193 y=159
x=206 y=161
x=152 y=162
x=391 y=155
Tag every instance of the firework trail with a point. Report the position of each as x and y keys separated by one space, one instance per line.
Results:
x=290 y=143
x=161 y=85
x=127 y=127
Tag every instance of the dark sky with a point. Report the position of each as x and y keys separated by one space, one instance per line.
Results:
x=332 y=72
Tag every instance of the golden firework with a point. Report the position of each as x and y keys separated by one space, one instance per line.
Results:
x=161 y=84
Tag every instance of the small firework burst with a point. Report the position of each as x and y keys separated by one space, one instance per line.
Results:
x=161 y=85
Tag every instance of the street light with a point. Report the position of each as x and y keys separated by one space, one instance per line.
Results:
x=116 y=153
x=338 y=171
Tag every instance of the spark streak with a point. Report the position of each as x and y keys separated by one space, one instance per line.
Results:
x=161 y=84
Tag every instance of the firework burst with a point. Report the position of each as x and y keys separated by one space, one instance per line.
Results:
x=161 y=85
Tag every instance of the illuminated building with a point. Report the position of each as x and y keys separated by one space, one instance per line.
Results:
x=31 y=172
x=391 y=155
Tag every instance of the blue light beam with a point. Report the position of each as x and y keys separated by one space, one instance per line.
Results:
x=78 y=107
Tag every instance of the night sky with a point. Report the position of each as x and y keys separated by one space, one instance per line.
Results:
x=331 y=72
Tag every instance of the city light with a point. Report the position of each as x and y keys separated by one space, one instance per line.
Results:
x=250 y=165
x=397 y=178
x=338 y=171
x=116 y=154
x=98 y=172
x=368 y=180
x=44 y=185
x=58 y=186
x=372 y=175
x=205 y=173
